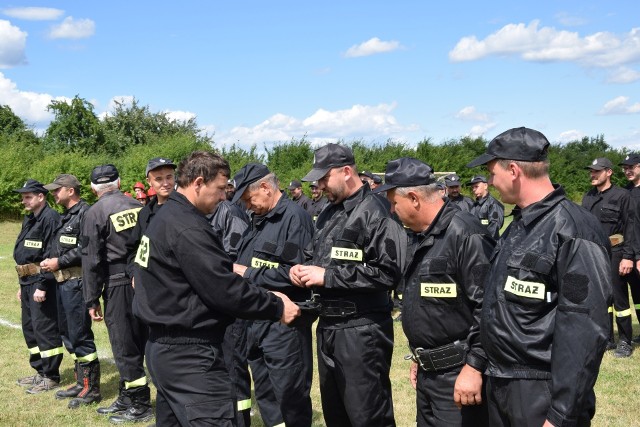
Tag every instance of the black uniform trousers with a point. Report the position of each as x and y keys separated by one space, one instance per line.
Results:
x=434 y=401
x=633 y=279
x=622 y=312
x=354 y=361
x=74 y=321
x=281 y=361
x=127 y=335
x=194 y=388
x=40 y=330
x=234 y=347
x=515 y=402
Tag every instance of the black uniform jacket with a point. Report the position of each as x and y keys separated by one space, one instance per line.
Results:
x=362 y=249
x=463 y=202
x=612 y=208
x=106 y=229
x=229 y=222
x=317 y=206
x=34 y=243
x=185 y=281
x=444 y=283
x=66 y=243
x=490 y=212
x=274 y=243
x=145 y=216
x=545 y=303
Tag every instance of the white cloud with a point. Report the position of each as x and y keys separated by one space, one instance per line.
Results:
x=12 y=44
x=71 y=28
x=180 y=116
x=34 y=13
x=470 y=113
x=372 y=47
x=29 y=106
x=480 y=130
x=620 y=105
x=570 y=135
x=623 y=75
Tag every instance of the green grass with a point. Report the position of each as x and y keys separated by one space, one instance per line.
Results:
x=617 y=389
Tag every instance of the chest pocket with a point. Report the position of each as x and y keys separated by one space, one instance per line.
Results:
x=348 y=247
x=69 y=238
x=33 y=240
x=266 y=255
x=528 y=279
x=610 y=213
x=436 y=285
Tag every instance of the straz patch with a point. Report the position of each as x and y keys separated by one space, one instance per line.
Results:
x=36 y=244
x=68 y=240
x=125 y=219
x=346 y=254
x=438 y=290
x=524 y=289
x=142 y=256
x=257 y=263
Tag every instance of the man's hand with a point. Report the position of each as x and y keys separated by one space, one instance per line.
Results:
x=626 y=265
x=39 y=295
x=19 y=294
x=291 y=310
x=50 y=264
x=547 y=424
x=413 y=374
x=468 y=387
x=239 y=269
x=96 y=313
x=310 y=275
x=294 y=275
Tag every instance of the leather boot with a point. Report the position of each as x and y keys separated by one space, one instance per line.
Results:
x=119 y=406
x=90 y=392
x=74 y=389
x=140 y=409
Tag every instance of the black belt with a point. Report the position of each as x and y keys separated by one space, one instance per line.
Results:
x=440 y=358
x=355 y=304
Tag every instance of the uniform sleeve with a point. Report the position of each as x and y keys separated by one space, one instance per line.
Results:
x=234 y=228
x=132 y=246
x=580 y=327
x=49 y=227
x=627 y=210
x=496 y=218
x=93 y=278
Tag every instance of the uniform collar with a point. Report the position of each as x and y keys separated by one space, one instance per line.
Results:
x=536 y=210
x=442 y=220
x=356 y=198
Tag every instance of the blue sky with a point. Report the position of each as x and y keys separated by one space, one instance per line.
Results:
x=262 y=72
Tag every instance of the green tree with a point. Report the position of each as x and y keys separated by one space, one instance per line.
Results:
x=13 y=126
x=74 y=128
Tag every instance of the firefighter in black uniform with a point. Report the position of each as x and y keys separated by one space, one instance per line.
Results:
x=37 y=292
x=106 y=229
x=318 y=200
x=280 y=357
x=443 y=297
x=295 y=191
x=65 y=264
x=487 y=208
x=188 y=294
x=611 y=205
x=452 y=182
x=544 y=324
x=356 y=257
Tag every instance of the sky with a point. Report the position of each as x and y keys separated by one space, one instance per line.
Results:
x=263 y=72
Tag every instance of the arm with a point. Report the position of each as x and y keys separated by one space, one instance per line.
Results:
x=495 y=215
x=626 y=210
x=92 y=243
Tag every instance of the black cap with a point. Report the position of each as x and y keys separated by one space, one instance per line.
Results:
x=63 y=180
x=366 y=173
x=231 y=182
x=328 y=157
x=377 y=179
x=478 y=178
x=630 y=160
x=452 y=180
x=294 y=184
x=32 y=186
x=104 y=173
x=600 y=163
x=406 y=172
x=158 y=162
x=246 y=176
x=522 y=144
x=314 y=184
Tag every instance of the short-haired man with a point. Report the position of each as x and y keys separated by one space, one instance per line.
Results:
x=65 y=263
x=452 y=182
x=611 y=205
x=231 y=189
x=442 y=297
x=544 y=324
x=355 y=260
x=37 y=292
x=487 y=208
x=106 y=229
x=295 y=191
x=318 y=200
x=188 y=294
x=280 y=356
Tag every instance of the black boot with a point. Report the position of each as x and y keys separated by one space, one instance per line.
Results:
x=74 y=389
x=90 y=387
x=121 y=404
x=140 y=409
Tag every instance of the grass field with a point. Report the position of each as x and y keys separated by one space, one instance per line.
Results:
x=617 y=389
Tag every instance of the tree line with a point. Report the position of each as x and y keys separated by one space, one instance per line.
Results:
x=77 y=140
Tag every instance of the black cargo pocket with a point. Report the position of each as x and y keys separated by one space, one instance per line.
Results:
x=528 y=278
x=610 y=213
x=218 y=413
x=436 y=284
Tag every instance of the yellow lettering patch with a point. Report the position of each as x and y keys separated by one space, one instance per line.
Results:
x=346 y=254
x=257 y=263
x=142 y=256
x=68 y=240
x=484 y=221
x=438 y=290
x=125 y=219
x=37 y=244
x=524 y=289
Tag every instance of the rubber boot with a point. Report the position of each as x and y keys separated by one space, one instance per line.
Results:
x=74 y=389
x=119 y=406
x=90 y=387
x=140 y=409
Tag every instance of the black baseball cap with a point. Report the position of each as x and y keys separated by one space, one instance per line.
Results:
x=158 y=162
x=406 y=172
x=600 y=163
x=294 y=184
x=366 y=173
x=104 y=173
x=478 y=178
x=521 y=143
x=314 y=184
x=452 y=180
x=63 y=180
x=377 y=179
x=630 y=160
x=250 y=173
x=32 y=186
x=328 y=157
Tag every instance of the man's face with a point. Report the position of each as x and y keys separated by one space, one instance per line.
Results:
x=33 y=201
x=139 y=190
x=62 y=196
x=333 y=185
x=501 y=180
x=366 y=180
x=479 y=189
x=632 y=173
x=454 y=191
x=599 y=178
x=404 y=208
x=163 y=181
x=316 y=193
x=295 y=193
x=211 y=194
x=231 y=190
x=259 y=201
